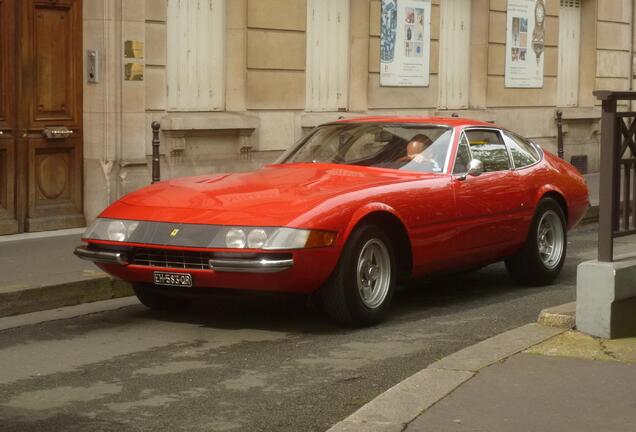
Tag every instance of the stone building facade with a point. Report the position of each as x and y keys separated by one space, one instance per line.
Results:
x=229 y=80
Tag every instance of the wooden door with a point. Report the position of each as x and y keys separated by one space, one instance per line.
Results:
x=42 y=92
x=8 y=128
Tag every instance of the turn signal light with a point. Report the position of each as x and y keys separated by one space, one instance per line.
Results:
x=320 y=239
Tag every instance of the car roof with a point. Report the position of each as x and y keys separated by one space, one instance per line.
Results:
x=447 y=121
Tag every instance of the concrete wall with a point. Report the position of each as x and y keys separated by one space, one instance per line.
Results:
x=265 y=61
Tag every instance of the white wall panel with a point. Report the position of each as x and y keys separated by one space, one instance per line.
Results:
x=196 y=55
x=454 y=54
x=327 y=73
x=569 y=53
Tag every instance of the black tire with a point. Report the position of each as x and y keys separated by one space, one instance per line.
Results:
x=526 y=267
x=156 y=301
x=340 y=294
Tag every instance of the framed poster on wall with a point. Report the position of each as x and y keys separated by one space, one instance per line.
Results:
x=525 y=43
x=405 y=43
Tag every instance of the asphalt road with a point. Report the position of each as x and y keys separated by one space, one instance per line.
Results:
x=251 y=364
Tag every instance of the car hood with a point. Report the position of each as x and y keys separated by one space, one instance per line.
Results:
x=272 y=196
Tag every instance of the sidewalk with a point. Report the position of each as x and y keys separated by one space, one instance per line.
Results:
x=533 y=378
x=571 y=382
x=39 y=271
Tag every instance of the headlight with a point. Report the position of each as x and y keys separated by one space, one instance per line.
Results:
x=116 y=231
x=235 y=238
x=256 y=238
x=291 y=238
x=109 y=229
x=276 y=238
x=208 y=236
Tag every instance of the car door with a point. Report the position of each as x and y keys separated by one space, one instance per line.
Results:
x=489 y=206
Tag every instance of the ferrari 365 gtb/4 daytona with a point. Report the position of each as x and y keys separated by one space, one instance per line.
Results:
x=354 y=209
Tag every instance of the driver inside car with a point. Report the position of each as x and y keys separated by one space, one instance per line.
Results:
x=416 y=152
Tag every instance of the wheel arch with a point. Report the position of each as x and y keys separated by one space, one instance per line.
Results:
x=559 y=198
x=388 y=219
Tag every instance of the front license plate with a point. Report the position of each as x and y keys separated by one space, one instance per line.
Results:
x=173 y=279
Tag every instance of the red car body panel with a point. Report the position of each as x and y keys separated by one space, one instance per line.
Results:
x=451 y=224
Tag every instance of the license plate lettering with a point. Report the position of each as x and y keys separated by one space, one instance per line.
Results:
x=173 y=279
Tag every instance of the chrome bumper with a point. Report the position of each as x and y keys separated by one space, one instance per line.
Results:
x=101 y=256
x=251 y=265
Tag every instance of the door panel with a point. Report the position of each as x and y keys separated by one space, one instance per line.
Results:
x=51 y=96
x=491 y=206
x=8 y=218
x=52 y=42
x=490 y=209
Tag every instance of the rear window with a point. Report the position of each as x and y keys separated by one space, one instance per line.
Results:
x=522 y=151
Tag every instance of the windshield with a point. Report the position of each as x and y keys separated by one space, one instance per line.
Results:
x=399 y=146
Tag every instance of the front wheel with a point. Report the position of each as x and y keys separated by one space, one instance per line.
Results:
x=360 y=290
x=541 y=259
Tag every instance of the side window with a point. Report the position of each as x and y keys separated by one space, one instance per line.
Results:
x=463 y=156
x=487 y=146
x=522 y=152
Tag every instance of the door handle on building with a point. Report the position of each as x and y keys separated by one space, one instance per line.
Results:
x=56 y=132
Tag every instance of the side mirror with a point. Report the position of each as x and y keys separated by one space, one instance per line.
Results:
x=475 y=168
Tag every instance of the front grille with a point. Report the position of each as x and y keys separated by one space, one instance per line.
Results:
x=171 y=258
x=180 y=259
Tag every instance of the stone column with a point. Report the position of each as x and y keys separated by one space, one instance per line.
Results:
x=359 y=55
x=102 y=101
x=479 y=27
x=236 y=55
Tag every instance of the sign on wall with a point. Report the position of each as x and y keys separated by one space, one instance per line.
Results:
x=405 y=43
x=525 y=43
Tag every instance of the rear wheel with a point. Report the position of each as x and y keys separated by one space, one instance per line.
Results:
x=360 y=290
x=541 y=259
x=154 y=300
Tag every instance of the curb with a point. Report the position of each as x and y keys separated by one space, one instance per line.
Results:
x=394 y=409
x=87 y=290
x=563 y=316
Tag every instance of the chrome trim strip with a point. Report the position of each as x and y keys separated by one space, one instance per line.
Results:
x=449 y=151
x=101 y=256
x=251 y=265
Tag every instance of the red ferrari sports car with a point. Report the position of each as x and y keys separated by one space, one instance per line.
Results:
x=354 y=209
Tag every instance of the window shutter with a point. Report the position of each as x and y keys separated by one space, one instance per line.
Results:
x=196 y=48
x=569 y=53
x=454 y=54
x=327 y=69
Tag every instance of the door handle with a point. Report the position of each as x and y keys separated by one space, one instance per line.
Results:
x=56 y=132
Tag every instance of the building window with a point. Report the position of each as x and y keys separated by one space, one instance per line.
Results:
x=454 y=54
x=196 y=60
x=327 y=55
x=569 y=53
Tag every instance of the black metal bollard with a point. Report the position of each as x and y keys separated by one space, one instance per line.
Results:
x=559 y=120
x=156 y=167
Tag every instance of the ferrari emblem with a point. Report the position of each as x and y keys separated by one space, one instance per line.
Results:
x=174 y=232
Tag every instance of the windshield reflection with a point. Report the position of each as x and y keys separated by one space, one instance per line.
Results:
x=398 y=146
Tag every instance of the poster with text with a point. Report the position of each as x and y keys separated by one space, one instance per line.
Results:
x=405 y=43
x=525 y=43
